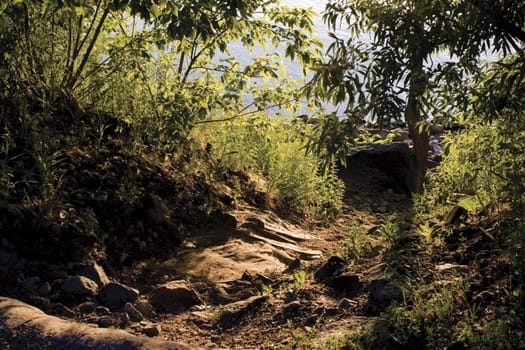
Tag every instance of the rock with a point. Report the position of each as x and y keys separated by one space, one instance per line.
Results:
x=95 y=273
x=134 y=314
x=454 y=215
x=384 y=292
x=31 y=284
x=232 y=313
x=105 y=321
x=152 y=330
x=348 y=284
x=447 y=267
x=79 y=286
x=394 y=160
x=329 y=269
x=291 y=309
x=145 y=308
x=174 y=297
x=87 y=307
x=115 y=295
x=45 y=289
x=121 y=318
x=346 y=303
x=103 y=311
x=293 y=266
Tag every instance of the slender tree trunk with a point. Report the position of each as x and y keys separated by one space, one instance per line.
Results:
x=420 y=138
x=414 y=115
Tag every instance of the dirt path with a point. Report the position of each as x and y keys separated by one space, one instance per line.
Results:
x=255 y=280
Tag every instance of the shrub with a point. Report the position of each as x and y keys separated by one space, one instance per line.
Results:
x=273 y=150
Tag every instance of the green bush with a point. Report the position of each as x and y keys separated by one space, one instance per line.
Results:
x=486 y=162
x=274 y=151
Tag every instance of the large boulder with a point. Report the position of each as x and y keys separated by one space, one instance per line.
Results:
x=174 y=297
x=395 y=161
x=96 y=273
x=115 y=295
x=79 y=286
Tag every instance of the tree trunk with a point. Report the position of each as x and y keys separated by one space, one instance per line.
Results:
x=414 y=115
x=421 y=148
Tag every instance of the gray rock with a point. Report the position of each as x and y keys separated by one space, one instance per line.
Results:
x=291 y=309
x=79 y=286
x=45 y=289
x=134 y=314
x=348 y=284
x=384 y=292
x=174 y=297
x=103 y=311
x=145 y=308
x=293 y=266
x=232 y=313
x=346 y=303
x=121 y=318
x=329 y=269
x=106 y=321
x=32 y=284
x=151 y=330
x=115 y=295
x=95 y=273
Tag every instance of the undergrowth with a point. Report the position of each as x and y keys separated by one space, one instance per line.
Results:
x=273 y=151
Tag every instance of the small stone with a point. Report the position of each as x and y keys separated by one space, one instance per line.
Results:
x=232 y=313
x=134 y=314
x=346 y=303
x=291 y=308
x=174 y=297
x=294 y=265
x=115 y=295
x=80 y=286
x=45 y=289
x=121 y=318
x=102 y=311
x=105 y=321
x=145 y=308
x=329 y=269
x=32 y=284
x=383 y=291
x=151 y=330
x=348 y=284
x=87 y=307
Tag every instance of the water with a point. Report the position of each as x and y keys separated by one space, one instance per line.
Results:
x=321 y=33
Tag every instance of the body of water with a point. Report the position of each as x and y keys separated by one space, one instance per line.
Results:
x=321 y=33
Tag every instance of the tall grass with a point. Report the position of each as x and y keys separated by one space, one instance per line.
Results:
x=273 y=150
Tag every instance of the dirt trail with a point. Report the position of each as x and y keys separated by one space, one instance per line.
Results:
x=262 y=243
x=255 y=278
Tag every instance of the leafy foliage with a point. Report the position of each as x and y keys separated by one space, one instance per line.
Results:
x=274 y=152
